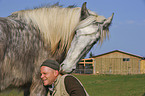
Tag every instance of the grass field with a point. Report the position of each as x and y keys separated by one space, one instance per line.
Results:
x=106 y=85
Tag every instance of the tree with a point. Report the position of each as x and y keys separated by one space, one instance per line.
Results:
x=91 y=55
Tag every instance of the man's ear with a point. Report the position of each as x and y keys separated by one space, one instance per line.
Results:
x=56 y=73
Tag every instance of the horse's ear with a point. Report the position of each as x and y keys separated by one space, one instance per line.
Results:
x=84 y=11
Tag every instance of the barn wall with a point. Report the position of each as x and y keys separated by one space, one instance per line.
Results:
x=142 y=66
x=117 y=63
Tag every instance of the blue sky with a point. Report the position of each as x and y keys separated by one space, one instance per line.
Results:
x=127 y=32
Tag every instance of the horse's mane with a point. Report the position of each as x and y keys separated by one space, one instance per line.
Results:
x=57 y=25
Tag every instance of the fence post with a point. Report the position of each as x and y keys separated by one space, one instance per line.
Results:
x=94 y=66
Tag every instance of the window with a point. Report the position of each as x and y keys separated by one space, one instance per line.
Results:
x=126 y=59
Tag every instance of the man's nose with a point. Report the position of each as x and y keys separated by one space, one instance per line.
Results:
x=42 y=76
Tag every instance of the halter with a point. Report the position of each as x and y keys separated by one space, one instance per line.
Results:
x=89 y=20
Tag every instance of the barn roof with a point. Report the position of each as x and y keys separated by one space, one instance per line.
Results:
x=120 y=52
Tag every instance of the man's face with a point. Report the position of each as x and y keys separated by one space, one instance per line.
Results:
x=48 y=75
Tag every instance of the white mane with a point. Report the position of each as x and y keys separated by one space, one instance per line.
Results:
x=57 y=25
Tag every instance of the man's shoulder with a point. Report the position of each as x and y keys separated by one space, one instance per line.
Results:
x=68 y=77
x=73 y=86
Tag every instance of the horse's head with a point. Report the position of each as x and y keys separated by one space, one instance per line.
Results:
x=91 y=29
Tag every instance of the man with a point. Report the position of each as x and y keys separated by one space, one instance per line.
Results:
x=64 y=85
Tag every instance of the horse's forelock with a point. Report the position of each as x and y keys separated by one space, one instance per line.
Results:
x=57 y=25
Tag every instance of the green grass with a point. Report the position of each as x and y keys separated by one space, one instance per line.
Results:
x=105 y=85
x=13 y=92
x=114 y=85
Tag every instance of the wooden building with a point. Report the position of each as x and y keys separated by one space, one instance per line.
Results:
x=114 y=62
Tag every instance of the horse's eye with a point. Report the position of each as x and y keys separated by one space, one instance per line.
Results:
x=104 y=19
